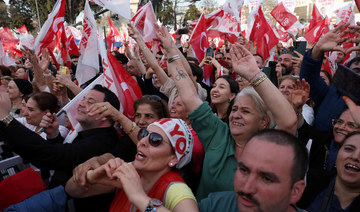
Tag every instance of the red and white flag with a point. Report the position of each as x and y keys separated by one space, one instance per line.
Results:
x=22 y=30
x=283 y=35
x=7 y=39
x=285 y=18
x=88 y=64
x=317 y=31
x=345 y=14
x=267 y=40
x=315 y=18
x=47 y=34
x=118 y=80
x=234 y=8
x=144 y=21
x=289 y=4
x=199 y=40
x=121 y=7
x=110 y=37
x=220 y=23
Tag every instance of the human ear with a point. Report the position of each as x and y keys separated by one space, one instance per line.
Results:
x=297 y=191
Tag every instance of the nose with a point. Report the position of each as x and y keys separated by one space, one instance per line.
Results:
x=249 y=186
x=143 y=142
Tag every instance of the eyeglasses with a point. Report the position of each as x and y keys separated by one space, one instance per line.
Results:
x=155 y=139
x=153 y=97
x=351 y=125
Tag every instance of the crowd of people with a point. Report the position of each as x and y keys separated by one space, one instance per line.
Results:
x=245 y=141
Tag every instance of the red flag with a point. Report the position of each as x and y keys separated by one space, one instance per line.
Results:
x=267 y=40
x=22 y=30
x=317 y=31
x=7 y=39
x=284 y=17
x=221 y=23
x=71 y=46
x=144 y=21
x=358 y=4
x=283 y=35
x=48 y=31
x=199 y=40
x=315 y=18
x=110 y=38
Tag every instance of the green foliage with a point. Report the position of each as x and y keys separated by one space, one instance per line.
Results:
x=165 y=12
x=4 y=16
x=191 y=14
x=21 y=14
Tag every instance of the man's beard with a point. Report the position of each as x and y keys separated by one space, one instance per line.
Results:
x=287 y=71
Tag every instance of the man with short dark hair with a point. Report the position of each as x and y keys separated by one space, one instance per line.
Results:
x=285 y=62
x=269 y=178
x=98 y=136
x=259 y=60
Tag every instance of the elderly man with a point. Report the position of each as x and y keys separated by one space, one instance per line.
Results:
x=98 y=137
x=269 y=177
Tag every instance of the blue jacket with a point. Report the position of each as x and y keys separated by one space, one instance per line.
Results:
x=327 y=98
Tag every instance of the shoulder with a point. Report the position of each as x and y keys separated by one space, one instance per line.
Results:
x=225 y=201
x=177 y=192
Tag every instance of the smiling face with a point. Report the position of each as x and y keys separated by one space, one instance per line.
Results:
x=33 y=114
x=221 y=93
x=348 y=162
x=154 y=159
x=178 y=109
x=244 y=119
x=341 y=130
x=262 y=181
x=285 y=61
x=145 y=115
x=286 y=87
x=82 y=116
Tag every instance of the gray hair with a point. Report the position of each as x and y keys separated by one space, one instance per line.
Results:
x=259 y=104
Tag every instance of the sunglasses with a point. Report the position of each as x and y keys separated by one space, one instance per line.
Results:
x=155 y=139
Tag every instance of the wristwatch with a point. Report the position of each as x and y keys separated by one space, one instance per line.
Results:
x=4 y=122
x=152 y=205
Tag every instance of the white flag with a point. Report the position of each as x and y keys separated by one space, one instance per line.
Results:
x=233 y=7
x=121 y=7
x=88 y=64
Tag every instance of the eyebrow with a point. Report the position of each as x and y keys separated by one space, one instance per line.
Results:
x=262 y=173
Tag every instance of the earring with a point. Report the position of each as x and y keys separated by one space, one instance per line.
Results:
x=171 y=164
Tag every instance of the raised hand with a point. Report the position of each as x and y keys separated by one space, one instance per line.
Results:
x=103 y=110
x=243 y=62
x=330 y=41
x=51 y=123
x=300 y=94
x=4 y=102
x=164 y=37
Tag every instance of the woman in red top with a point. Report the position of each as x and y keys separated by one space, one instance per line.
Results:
x=156 y=163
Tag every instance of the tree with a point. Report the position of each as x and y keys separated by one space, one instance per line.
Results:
x=191 y=14
x=165 y=12
x=21 y=14
x=208 y=6
x=4 y=15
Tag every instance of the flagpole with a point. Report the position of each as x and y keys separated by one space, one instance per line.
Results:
x=37 y=9
x=105 y=38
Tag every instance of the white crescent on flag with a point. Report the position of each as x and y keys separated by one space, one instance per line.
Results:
x=316 y=31
x=203 y=35
x=56 y=23
x=267 y=38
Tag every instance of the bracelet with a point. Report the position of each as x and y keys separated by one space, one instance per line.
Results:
x=259 y=80
x=255 y=76
x=7 y=120
x=173 y=58
x=132 y=129
x=47 y=74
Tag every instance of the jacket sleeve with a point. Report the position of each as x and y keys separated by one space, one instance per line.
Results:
x=48 y=155
x=310 y=70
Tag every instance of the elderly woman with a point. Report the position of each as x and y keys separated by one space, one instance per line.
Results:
x=151 y=182
x=224 y=143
